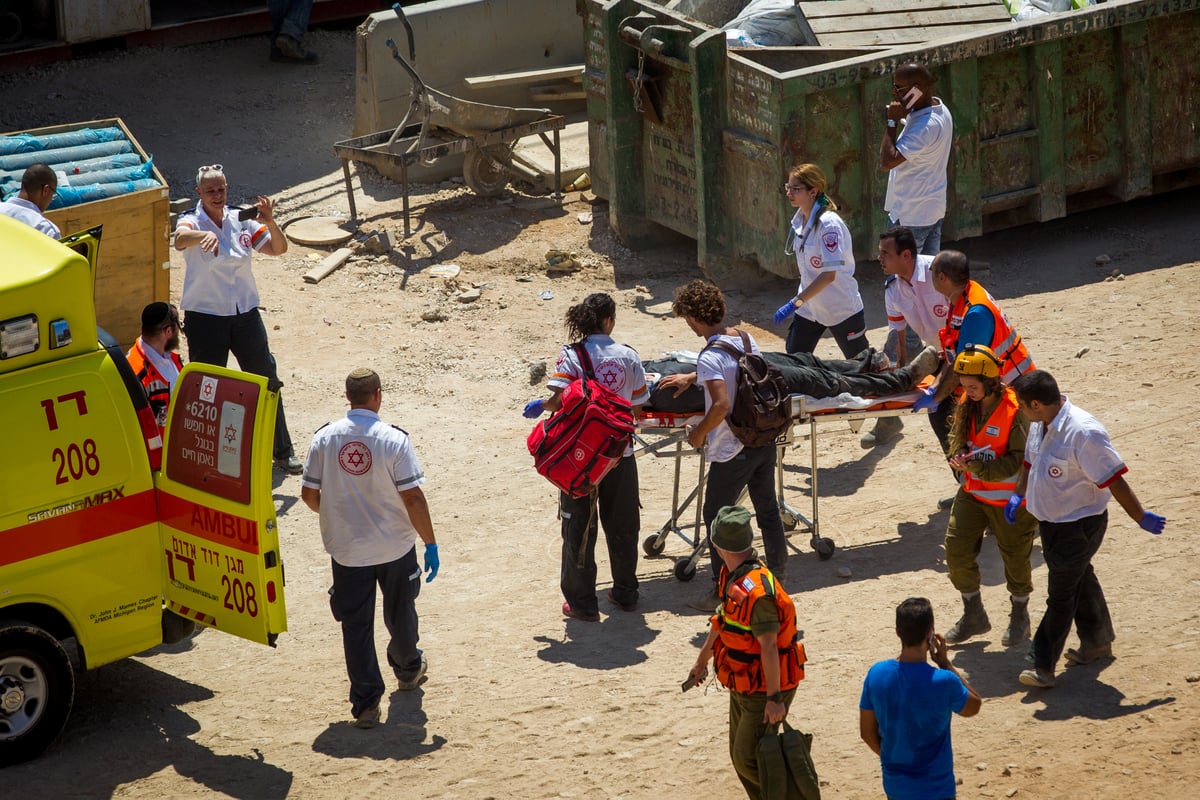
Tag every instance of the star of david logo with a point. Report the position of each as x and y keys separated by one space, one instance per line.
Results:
x=230 y=433
x=355 y=458
x=611 y=376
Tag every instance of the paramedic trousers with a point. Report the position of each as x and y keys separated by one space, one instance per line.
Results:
x=850 y=335
x=1073 y=593
x=969 y=518
x=211 y=338
x=746 y=730
x=753 y=468
x=290 y=18
x=352 y=601
x=614 y=504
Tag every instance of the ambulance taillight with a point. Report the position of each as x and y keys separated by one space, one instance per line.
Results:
x=154 y=442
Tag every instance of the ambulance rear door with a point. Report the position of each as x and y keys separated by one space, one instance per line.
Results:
x=221 y=561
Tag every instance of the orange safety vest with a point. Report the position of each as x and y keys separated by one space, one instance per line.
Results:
x=1006 y=343
x=736 y=651
x=158 y=390
x=995 y=433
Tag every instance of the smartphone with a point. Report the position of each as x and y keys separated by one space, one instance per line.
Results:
x=910 y=99
x=931 y=642
x=247 y=212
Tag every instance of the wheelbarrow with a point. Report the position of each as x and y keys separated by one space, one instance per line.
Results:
x=437 y=125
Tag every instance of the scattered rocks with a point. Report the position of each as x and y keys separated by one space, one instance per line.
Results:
x=1081 y=352
x=537 y=371
x=1192 y=677
x=470 y=296
x=1103 y=259
x=844 y=572
x=434 y=315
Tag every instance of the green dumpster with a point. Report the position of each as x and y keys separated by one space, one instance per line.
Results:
x=1051 y=116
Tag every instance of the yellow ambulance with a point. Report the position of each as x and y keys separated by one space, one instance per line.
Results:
x=112 y=539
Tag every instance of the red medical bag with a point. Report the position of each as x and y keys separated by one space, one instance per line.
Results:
x=577 y=446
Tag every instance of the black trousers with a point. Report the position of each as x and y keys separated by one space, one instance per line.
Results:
x=1073 y=593
x=753 y=467
x=850 y=335
x=614 y=505
x=352 y=601
x=211 y=338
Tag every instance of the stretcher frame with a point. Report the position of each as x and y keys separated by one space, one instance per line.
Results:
x=664 y=435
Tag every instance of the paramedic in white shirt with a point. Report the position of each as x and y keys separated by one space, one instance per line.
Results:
x=38 y=185
x=828 y=297
x=915 y=151
x=220 y=299
x=364 y=479
x=614 y=503
x=732 y=466
x=912 y=302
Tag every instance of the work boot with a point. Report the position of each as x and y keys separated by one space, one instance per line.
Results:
x=925 y=364
x=973 y=622
x=886 y=429
x=1018 y=624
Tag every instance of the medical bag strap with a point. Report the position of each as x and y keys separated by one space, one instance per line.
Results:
x=594 y=493
x=808 y=228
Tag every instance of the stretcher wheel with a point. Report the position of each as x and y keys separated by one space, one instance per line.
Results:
x=487 y=172
x=789 y=520
x=685 y=570
x=824 y=547
x=653 y=545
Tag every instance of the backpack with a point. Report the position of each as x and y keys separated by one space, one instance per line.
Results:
x=761 y=409
x=581 y=442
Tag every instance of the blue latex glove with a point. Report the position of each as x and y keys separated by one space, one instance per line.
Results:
x=534 y=408
x=1010 y=508
x=431 y=561
x=925 y=402
x=785 y=311
x=1152 y=523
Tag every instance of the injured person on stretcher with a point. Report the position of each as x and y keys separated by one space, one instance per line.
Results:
x=866 y=375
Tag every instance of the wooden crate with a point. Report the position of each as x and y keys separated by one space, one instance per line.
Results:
x=134 y=267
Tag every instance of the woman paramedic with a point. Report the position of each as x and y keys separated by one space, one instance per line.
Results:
x=987 y=443
x=618 y=367
x=828 y=296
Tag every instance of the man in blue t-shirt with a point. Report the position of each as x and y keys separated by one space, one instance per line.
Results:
x=904 y=713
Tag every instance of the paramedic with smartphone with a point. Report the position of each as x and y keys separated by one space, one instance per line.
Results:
x=914 y=151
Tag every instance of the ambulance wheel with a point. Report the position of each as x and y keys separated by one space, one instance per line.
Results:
x=685 y=570
x=37 y=688
x=653 y=545
x=487 y=172
x=824 y=547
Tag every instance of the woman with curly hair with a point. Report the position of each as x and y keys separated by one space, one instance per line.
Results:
x=987 y=443
x=828 y=297
x=615 y=500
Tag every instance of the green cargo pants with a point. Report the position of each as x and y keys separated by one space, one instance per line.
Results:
x=746 y=728
x=969 y=518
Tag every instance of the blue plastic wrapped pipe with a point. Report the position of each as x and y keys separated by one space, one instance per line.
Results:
x=115 y=161
x=19 y=161
x=74 y=195
x=29 y=143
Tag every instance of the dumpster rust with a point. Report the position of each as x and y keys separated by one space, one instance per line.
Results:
x=1051 y=116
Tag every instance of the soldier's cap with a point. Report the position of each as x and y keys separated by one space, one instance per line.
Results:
x=731 y=529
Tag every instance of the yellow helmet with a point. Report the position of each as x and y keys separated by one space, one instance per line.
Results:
x=975 y=359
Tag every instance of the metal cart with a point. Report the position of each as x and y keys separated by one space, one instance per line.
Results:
x=437 y=125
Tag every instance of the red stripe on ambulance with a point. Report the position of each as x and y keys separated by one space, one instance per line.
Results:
x=89 y=523
x=208 y=523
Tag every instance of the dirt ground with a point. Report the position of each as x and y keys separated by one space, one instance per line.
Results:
x=519 y=702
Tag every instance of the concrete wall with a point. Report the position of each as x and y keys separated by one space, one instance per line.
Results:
x=456 y=39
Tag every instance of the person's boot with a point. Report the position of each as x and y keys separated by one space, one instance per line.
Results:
x=973 y=622
x=1018 y=624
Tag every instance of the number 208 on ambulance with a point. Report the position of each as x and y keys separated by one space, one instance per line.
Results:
x=114 y=537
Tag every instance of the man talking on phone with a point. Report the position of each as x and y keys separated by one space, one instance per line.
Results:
x=914 y=151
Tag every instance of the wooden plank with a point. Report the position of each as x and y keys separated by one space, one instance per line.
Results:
x=571 y=71
x=842 y=8
x=893 y=38
x=331 y=262
x=909 y=19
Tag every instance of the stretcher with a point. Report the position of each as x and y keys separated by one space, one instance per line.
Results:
x=664 y=435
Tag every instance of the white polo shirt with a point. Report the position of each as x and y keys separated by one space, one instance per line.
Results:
x=827 y=248
x=221 y=282
x=1071 y=464
x=916 y=189
x=721 y=445
x=27 y=211
x=360 y=465
x=916 y=303
x=616 y=366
